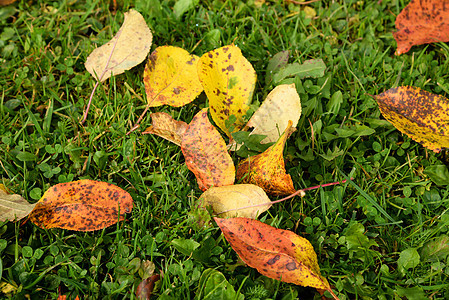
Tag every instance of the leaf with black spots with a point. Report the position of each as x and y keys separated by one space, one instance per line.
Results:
x=276 y=253
x=205 y=153
x=421 y=115
x=83 y=205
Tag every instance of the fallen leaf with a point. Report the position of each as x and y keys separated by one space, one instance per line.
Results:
x=276 y=253
x=128 y=48
x=83 y=205
x=232 y=197
x=205 y=153
x=277 y=62
x=166 y=127
x=267 y=169
x=421 y=115
x=171 y=77
x=422 y=22
x=310 y=68
x=6 y=2
x=228 y=79
x=13 y=207
x=271 y=119
x=145 y=288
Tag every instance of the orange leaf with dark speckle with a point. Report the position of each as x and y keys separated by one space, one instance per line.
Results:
x=83 y=205
x=275 y=253
x=205 y=153
x=267 y=169
x=421 y=115
x=422 y=22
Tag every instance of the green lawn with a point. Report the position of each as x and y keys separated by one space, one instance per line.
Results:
x=381 y=236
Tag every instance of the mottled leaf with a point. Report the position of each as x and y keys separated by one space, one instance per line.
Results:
x=267 y=169
x=275 y=253
x=281 y=106
x=13 y=207
x=422 y=22
x=421 y=115
x=171 y=77
x=310 y=68
x=232 y=197
x=163 y=125
x=436 y=249
x=128 y=48
x=228 y=79
x=83 y=205
x=277 y=62
x=205 y=153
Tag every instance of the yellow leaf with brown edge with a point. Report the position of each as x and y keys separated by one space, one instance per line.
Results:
x=267 y=169
x=239 y=200
x=171 y=77
x=421 y=115
x=228 y=79
x=163 y=125
x=205 y=153
x=83 y=205
x=276 y=253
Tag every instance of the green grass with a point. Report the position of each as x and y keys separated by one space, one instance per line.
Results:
x=370 y=234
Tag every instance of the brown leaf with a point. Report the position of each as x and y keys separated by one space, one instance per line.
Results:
x=422 y=22
x=275 y=253
x=421 y=115
x=166 y=127
x=13 y=207
x=145 y=288
x=83 y=205
x=205 y=153
x=267 y=169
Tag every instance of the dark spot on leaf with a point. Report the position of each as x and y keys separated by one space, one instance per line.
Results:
x=273 y=260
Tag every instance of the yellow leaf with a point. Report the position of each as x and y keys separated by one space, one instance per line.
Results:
x=171 y=77
x=228 y=79
x=166 y=127
x=205 y=153
x=421 y=115
x=13 y=207
x=128 y=48
x=267 y=169
x=271 y=119
x=232 y=197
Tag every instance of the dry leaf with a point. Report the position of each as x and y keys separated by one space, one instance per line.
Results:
x=275 y=253
x=422 y=22
x=83 y=205
x=145 y=288
x=166 y=127
x=128 y=48
x=205 y=153
x=6 y=2
x=171 y=77
x=13 y=207
x=267 y=169
x=421 y=115
x=231 y=197
x=228 y=79
x=271 y=119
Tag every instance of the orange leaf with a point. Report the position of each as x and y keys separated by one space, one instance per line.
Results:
x=171 y=77
x=166 y=127
x=205 y=153
x=422 y=22
x=275 y=253
x=421 y=115
x=267 y=169
x=83 y=205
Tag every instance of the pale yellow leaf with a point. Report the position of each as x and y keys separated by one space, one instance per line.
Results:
x=128 y=48
x=13 y=207
x=166 y=127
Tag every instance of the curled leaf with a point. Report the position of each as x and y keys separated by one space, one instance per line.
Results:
x=267 y=169
x=226 y=200
x=205 y=153
x=83 y=205
x=166 y=127
x=275 y=253
x=128 y=48
x=228 y=79
x=421 y=115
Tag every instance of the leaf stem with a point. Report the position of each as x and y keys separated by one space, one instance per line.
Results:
x=138 y=120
